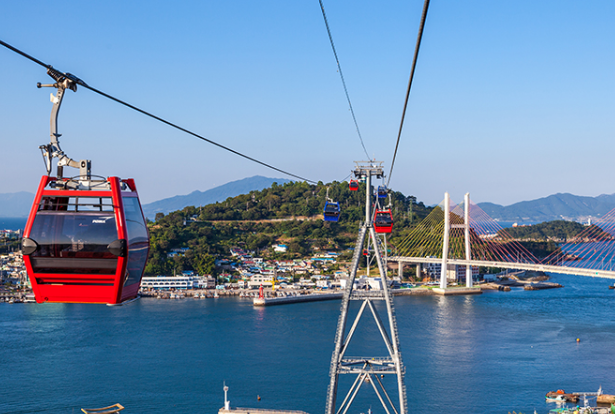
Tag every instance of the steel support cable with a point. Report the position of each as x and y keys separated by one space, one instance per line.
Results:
x=496 y=249
x=82 y=83
x=607 y=233
x=478 y=246
x=608 y=254
x=458 y=242
x=512 y=246
x=598 y=234
x=339 y=68
x=416 y=55
x=408 y=243
x=598 y=260
x=503 y=249
x=493 y=226
x=423 y=235
x=433 y=247
x=606 y=226
x=581 y=250
x=604 y=236
x=594 y=254
x=485 y=249
x=417 y=233
x=414 y=242
x=492 y=249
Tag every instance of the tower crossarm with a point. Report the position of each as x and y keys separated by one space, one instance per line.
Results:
x=367 y=294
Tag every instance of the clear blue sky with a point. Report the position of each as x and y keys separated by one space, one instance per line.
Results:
x=512 y=100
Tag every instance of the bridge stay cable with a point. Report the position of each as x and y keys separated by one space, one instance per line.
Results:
x=590 y=253
x=76 y=80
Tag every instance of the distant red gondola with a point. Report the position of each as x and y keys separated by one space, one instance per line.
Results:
x=383 y=221
x=354 y=185
x=86 y=246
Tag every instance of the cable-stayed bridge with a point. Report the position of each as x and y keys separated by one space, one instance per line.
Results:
x=465 y=235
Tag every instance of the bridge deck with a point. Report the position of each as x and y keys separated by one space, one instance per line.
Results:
x=609 y=274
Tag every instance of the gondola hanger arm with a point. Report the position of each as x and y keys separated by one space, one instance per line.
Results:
x=53 y=149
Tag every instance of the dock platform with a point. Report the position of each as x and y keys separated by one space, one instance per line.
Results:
x=295 y=299
x=458 y=291
x=257 y=411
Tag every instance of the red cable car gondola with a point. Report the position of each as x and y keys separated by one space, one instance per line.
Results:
x=85 y=240
x=86 y=246
x=354 y=185
x=383 y=221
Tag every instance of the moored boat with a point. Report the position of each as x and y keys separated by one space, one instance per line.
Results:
x=561 y=396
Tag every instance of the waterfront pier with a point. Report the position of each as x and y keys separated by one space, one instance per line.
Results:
x=282 y=300
x=257 y=411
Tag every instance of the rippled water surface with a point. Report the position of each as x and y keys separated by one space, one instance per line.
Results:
x=491 y=353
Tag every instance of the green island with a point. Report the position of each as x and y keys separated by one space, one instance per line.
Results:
x=560 y=231
x=289 y=214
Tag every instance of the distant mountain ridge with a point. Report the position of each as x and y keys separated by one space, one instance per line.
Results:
x=561 y=206
x=217 y=194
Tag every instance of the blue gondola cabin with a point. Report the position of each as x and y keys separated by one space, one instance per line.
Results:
x=331 y=211
x=382 y=191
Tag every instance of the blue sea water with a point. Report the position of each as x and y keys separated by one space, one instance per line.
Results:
x=490 y=353
x=12 y=223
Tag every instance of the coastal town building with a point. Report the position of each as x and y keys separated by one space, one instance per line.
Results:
x=13 y=270
x=454 y=273
x=280 y=248
x=178 y=282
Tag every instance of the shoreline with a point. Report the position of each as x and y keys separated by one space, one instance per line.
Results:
x=25 y=296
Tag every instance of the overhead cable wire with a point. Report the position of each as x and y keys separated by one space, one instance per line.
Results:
x=345 y=178
x=339 y=69
x=416 y=55
x=164 y=121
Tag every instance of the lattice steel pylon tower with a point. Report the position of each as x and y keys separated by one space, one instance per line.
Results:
x=368 y=369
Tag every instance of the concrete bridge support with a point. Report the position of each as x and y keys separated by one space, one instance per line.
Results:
x=466 y=202
x=447 y=227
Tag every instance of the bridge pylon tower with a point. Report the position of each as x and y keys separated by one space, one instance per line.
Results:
x=445 y=244
x=368 y=369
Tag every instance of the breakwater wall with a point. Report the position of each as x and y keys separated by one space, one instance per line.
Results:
x=296 y=299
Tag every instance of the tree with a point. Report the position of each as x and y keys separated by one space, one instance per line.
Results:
x=204 y=264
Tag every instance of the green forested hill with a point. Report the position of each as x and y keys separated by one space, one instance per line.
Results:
x=559 y=230
x=289 y=214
